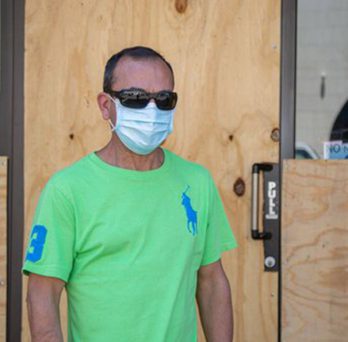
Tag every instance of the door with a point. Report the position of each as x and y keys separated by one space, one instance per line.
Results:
x=315 y=254
x=226 y=58
x=314 y=203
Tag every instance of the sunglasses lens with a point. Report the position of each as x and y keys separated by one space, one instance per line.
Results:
x=166 y=100
x=133 y=99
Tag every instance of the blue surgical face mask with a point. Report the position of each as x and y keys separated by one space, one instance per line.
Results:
x=142 y=130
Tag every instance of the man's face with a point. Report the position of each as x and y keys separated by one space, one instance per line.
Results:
x=152 y=75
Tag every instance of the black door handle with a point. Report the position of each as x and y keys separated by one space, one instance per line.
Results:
x=270 y=213
x=255 y=232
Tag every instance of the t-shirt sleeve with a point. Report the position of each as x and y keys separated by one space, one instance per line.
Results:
x=219 y=236
x=50 y=249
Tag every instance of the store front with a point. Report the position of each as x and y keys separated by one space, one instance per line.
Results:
x=253 y=100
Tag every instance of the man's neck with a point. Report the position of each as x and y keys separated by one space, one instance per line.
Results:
x=115 y=153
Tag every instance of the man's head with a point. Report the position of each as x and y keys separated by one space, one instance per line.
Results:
x=138 y=87
x=136 y=54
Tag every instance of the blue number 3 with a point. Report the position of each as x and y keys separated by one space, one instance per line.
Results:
x=38 y=238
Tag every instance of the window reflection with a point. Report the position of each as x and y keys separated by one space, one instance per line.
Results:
x=322 y=79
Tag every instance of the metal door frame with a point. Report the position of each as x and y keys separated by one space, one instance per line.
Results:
x=12 y=145
x=287 y=106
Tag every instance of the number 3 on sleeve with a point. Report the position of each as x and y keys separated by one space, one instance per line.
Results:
x=37 y=241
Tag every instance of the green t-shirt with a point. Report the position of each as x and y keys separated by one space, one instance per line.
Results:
x=128 y=244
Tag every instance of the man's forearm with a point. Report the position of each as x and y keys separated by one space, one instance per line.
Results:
x=215 y=308
x=44 y=320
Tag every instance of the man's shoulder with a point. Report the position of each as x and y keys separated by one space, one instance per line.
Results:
x=69 y=174
x=182 y=164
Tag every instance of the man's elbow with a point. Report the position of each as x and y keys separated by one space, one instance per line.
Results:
x=212 y=276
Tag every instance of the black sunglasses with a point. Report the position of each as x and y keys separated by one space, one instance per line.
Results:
x=139 y=98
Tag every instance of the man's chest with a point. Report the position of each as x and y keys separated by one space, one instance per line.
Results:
x=136 y=227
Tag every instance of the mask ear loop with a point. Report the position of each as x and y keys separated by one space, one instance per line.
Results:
x=113 y=127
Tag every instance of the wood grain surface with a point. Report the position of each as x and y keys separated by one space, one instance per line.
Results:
x=315 y=251
x=3 y=248
x=225 y=55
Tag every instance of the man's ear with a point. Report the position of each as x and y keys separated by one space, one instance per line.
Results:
x=106 y=105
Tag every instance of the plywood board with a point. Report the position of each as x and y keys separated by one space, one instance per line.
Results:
x=3 y=248
x=315 y=251
x=225 y=55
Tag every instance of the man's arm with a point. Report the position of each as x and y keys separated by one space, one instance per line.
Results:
x=43 y=299
x=214 y=302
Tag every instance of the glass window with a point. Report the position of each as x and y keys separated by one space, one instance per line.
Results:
x=322 y=79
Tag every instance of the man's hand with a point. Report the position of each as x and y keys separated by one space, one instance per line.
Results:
x=43 y=308
x=214 y=301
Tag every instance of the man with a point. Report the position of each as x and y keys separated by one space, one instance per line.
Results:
x=134 y=232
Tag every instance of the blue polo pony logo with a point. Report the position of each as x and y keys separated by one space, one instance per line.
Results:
x=190 y=213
